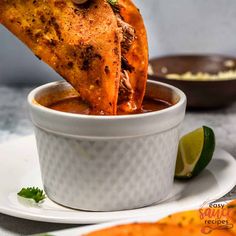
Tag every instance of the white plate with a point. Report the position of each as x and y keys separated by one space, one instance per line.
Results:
x=20 y=168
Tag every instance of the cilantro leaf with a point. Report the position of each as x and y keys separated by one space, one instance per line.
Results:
x=32 y=193
x=113 y=2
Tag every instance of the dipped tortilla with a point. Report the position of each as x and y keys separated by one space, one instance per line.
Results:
x=99 y=48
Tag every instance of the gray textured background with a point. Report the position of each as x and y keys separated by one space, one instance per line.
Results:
x=182 y=26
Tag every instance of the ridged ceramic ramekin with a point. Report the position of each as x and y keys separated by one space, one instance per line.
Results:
x=107 y=163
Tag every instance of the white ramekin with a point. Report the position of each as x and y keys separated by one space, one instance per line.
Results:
x=107 y=163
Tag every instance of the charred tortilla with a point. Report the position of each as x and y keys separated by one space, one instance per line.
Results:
x=137 y=55
x=183 y=224
x=156 y=229
x=86 y=44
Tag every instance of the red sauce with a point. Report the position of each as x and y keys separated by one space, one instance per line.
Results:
x=77 y=106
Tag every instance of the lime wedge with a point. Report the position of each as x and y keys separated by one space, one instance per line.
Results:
x=195 y=152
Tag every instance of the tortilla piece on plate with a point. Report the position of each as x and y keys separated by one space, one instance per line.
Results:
x=156 y=229
x=182 y=223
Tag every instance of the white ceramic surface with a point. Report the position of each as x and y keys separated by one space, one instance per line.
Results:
x=22 y=170
x=107 y=163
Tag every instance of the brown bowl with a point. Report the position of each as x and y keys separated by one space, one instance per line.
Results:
x=200 y=94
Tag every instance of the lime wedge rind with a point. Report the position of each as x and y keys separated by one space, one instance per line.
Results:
x=195 y=152
x=207 y=152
